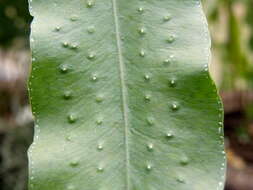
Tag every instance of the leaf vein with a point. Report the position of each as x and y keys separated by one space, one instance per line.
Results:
x=123 y=89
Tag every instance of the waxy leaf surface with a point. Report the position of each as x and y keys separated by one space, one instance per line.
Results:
x=122 y=97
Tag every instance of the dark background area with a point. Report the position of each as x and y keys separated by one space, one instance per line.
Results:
x=231 y=28
x=14 y=22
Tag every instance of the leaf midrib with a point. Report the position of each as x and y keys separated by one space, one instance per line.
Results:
x=123 y=90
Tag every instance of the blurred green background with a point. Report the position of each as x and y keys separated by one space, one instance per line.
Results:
x=231 y=29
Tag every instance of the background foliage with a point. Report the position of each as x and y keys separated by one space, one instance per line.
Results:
x=14 y=20
x=231 y=27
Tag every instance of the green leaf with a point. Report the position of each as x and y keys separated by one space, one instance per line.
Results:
x=122 y=97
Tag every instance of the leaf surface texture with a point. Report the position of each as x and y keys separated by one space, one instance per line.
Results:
x=122 y=97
